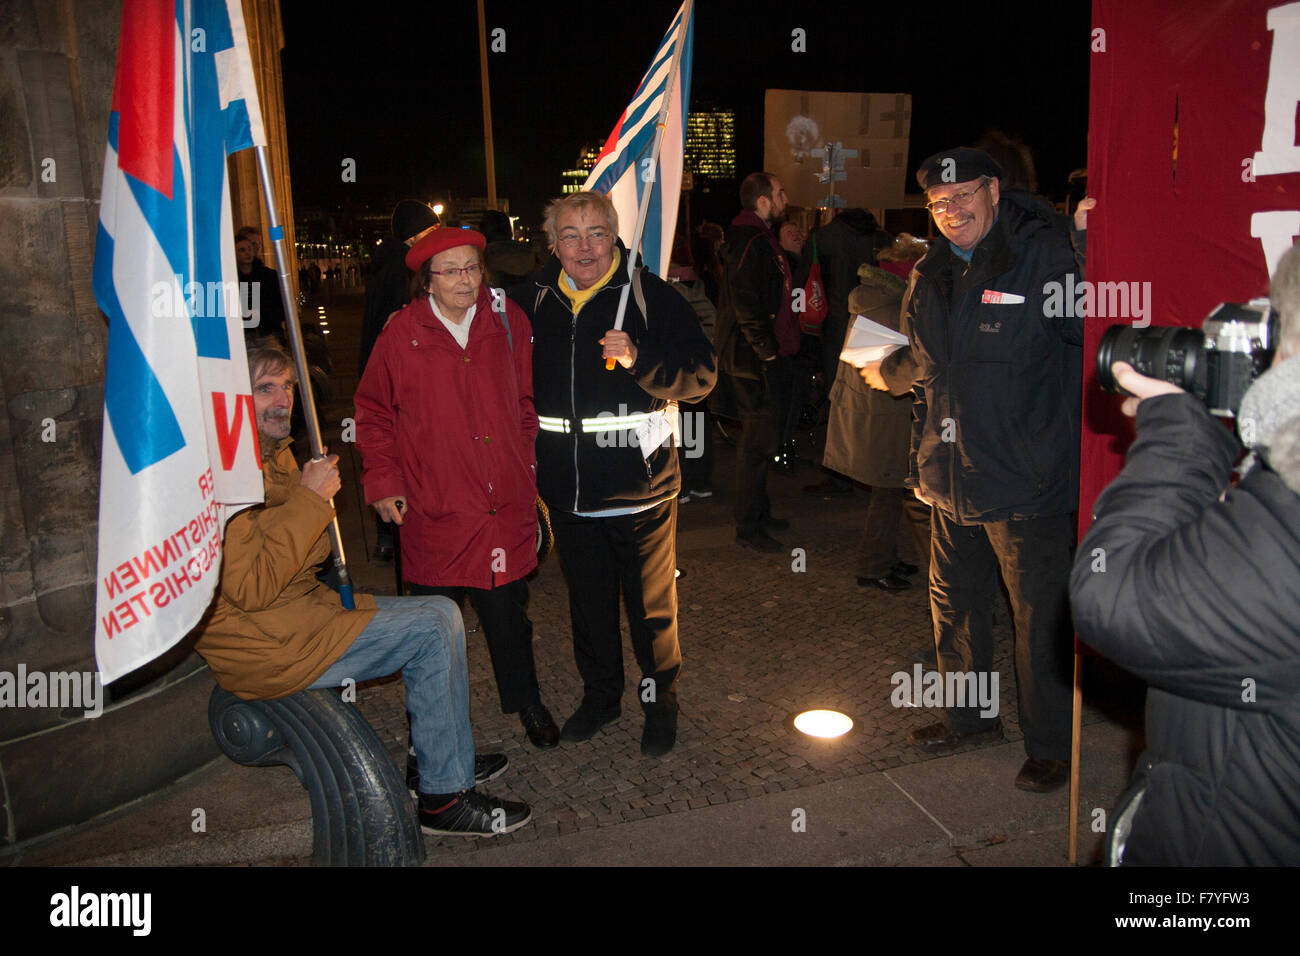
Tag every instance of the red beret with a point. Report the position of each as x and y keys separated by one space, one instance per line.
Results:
x=440 y=239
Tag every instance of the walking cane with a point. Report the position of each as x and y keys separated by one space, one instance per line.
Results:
x=397 y=556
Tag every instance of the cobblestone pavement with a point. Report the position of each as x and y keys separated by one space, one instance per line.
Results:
x=763 y=637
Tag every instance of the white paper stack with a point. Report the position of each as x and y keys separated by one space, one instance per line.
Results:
x=870 y=342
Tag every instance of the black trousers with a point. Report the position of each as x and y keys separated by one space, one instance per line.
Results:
x=1034 y=556
x=762 y=408
x=637 y=555
x=880 y=536
x=503 y=612
x=695 y=456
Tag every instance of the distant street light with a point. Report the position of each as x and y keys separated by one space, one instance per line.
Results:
x=438 y=208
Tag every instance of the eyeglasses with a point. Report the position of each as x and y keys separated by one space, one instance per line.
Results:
x=597 y=237
x=940 y=206
x=470 y=271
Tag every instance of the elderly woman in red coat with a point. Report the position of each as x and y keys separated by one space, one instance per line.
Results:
x=445 y=425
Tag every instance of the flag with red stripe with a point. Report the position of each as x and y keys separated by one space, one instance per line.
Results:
x=180 y=440
x=623 y=168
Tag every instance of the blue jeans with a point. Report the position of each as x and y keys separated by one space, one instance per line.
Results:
x=424 y=638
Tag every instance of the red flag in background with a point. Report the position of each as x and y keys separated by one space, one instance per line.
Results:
x=1193 y=159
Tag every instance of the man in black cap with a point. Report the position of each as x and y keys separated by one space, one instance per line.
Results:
x=388 y=289
x=995 y=442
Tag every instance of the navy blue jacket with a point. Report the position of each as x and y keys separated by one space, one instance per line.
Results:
x=995 y=431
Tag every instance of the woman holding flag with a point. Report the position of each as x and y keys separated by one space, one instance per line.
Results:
x=607 y=461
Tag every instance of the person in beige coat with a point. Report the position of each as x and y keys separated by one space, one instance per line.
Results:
x=867 y=438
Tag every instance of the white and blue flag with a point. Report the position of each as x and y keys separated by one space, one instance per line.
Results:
x=623 y=166
x=180 y=440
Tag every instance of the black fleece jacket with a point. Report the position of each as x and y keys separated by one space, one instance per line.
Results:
x=593 y=471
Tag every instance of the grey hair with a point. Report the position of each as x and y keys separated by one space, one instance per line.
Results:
x=1284 y=293
x=266 y=355
x=577 y=201
x=1284 y=454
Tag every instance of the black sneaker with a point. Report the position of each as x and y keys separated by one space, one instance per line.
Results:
x=470 y=813
x=489 y=767
x=486 y=767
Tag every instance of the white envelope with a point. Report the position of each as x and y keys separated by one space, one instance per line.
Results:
x=870 y=342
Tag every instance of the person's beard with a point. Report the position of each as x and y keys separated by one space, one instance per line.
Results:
x=269 y=433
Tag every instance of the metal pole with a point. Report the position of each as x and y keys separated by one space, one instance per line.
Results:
x=300 y=362
x=487 y=109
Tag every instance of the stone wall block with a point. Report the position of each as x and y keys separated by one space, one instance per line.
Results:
x=52 y=122
x=15 y=142
x=34 y=279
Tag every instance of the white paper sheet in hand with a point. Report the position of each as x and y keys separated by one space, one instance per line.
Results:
x=870 y=342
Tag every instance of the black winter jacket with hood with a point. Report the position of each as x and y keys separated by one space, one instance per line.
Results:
x=584 y=471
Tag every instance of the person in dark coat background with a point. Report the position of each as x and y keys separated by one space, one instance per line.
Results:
x=259 y=290
x=851 y=239
x=507 y=262
x=1197 y=590
x=388 y=287
x=756 y=334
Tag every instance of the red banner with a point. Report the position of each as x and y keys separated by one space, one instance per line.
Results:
x=1193 y=159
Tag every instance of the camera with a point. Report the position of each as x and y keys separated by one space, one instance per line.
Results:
x=1216 y=362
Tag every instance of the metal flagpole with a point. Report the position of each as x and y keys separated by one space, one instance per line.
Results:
x=487 y=110
x=643 y=207
x=300 y=363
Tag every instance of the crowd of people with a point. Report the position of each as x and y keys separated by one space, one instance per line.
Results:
x=557 y=392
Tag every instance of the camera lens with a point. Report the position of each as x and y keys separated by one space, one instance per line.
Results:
x=1171 y=353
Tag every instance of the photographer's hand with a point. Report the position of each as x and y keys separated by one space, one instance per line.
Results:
x=1139 y=387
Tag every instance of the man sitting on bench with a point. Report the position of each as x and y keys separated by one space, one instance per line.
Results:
x=274 y=629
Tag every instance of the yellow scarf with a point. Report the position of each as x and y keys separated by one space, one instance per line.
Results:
x=579 y=297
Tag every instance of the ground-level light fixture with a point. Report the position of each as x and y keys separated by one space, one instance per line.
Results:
x=823 y=724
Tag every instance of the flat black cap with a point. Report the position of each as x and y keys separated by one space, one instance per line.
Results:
x=411 y=217
x=959 y=165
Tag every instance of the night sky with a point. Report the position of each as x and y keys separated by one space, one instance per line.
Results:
x=398 y=89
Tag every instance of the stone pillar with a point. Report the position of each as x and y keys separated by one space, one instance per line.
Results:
x=57 y=768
